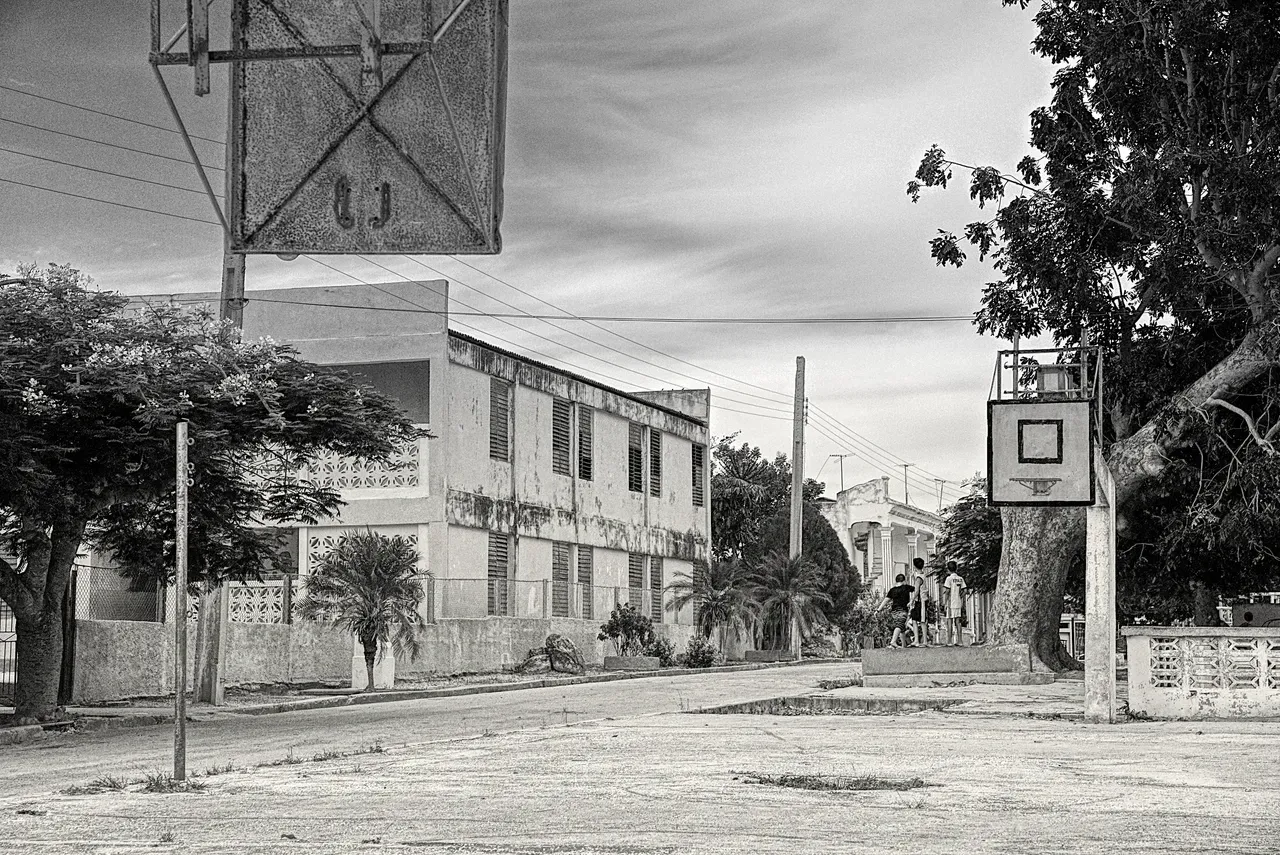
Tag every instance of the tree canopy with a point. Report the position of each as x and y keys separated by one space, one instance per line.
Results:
x=91 y=389
x=1148 y=219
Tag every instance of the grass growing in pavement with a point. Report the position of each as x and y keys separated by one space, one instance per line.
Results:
x=220 y=770
x=163 y=782
x=292 y=759
x=100 y=784
x=833 y=782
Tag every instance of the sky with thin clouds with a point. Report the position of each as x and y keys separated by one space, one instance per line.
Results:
x=664 y=158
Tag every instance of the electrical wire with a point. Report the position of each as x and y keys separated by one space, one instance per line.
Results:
x=108 y=115
x=102 y=171
x=109 y=202
x=181 y=160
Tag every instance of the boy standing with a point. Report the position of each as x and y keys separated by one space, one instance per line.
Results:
x=954 y=586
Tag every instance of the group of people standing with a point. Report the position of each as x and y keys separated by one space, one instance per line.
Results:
x=908 y=612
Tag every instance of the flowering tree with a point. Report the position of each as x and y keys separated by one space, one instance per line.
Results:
x=90 y=391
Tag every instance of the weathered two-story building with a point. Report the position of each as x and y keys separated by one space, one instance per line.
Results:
x=539 y=500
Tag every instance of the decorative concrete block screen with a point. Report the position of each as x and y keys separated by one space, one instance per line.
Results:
x=256 y=602
x=1204 y=672
x=403 y=472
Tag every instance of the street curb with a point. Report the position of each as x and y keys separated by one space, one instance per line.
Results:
x=362 y=698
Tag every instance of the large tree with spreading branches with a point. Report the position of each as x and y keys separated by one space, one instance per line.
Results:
x=90 y=392
x=1148 y=218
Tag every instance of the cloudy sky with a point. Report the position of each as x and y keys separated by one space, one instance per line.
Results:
x=664 y=158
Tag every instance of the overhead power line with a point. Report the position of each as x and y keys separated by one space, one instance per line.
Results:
x=108 y=115
x=108 y=202
x=181 y=160
x=101 y=171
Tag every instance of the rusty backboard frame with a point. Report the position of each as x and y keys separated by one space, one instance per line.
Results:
x=355 y=129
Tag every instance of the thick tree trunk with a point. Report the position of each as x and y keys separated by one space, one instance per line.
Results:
x=1205 y=601
x=39 y=648
x=1039 y=547
x=36 y=597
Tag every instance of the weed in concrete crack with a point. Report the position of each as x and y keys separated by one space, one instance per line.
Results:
x=168 y=837
x=487 y=732
x=101 y=784
x=833 y=782
x=163 y=782
x=372 y=840
x=219 y=770
x=327 y=754
x=289 y=759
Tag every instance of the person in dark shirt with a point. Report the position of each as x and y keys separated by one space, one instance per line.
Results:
x=896 y=599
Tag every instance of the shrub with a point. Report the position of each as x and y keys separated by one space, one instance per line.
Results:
x=701 y=653
x=861 y=620
x=663 y=649
x=630 y=631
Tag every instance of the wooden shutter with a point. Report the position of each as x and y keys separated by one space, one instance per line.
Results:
x=585 y=583
x=561 y=427
x=655 y=586
x=635 y=457
x=499 y=419
x=499 y=562
x=635 y=579
x=699 y=474
x=586 y=430
x=559 y=579
x=655 y=462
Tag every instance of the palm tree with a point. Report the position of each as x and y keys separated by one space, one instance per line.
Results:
x=369 y=585
x=722 y=596
x=789 y=593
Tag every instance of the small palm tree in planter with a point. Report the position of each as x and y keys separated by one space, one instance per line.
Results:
x=722 y=596
x=789 y=592
x=369 y=585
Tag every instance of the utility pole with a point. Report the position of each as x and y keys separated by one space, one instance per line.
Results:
x=213 y=598
x=797 y=488
x=906 y=490
x=842 y=457
x=797 y=463
x=180 y=609
x=939 y=482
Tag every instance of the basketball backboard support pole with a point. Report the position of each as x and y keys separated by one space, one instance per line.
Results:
x=1100 y=600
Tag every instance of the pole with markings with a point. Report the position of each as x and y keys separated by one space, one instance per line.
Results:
x=180 y=612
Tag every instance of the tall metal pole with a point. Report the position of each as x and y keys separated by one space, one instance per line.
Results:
x=906 y=490
x=797 y=463
x=180 y=612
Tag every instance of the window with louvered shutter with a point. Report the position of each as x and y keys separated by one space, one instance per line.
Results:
x=586 y=432
x=559 y=579
x=635 y=580
x=699 y=474
x=499 y=564
x=561 y=427
x=655 y=587
x=635 y=457
x=655 y=462
x=586 y=571
x=499 y=419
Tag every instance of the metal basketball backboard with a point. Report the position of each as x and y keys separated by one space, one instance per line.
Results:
x=397 y=148
x=1040 y=452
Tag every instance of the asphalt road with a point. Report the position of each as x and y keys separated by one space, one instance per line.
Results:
x=59 y=761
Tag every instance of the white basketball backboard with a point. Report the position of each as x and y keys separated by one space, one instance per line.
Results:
x=1040 y=453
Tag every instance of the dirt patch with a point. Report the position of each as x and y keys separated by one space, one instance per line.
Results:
x=832 y=782
x=820 y=705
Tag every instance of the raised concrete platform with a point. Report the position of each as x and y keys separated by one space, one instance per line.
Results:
x=1008 y=664
x=942 y=681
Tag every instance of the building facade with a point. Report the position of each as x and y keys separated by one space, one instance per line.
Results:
x=540 y=498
